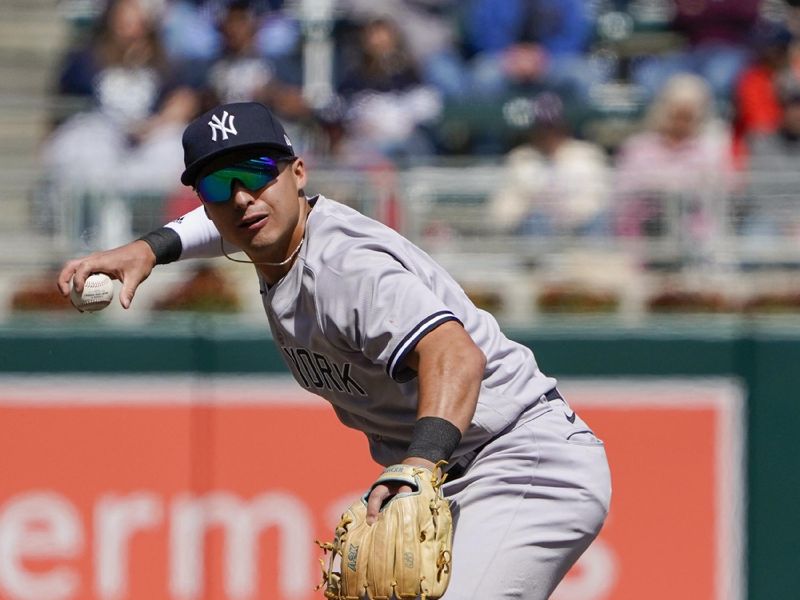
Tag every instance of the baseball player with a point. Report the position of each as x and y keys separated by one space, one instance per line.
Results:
x=372 y=324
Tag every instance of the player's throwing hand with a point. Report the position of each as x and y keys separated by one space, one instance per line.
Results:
x=131 y=264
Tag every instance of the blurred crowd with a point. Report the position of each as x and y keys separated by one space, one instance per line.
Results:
x=606 y=116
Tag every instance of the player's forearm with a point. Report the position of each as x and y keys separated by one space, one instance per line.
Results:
x=449 y=384
x=450 y=369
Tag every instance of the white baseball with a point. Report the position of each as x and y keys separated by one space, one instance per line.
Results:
x=98 y=292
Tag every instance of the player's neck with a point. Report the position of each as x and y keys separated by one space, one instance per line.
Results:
x=272 y=273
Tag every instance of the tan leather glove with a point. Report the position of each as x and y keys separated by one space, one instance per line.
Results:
x=405 y=554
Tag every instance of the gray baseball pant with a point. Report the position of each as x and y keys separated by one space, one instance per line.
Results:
x=527 y=506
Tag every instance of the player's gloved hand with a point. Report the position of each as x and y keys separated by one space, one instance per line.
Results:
x=131 y=264
x=404 y=553
x=383 y=492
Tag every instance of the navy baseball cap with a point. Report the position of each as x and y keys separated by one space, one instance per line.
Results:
x=228 y=128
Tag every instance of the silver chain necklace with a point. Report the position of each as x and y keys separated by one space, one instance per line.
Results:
x=269 y=264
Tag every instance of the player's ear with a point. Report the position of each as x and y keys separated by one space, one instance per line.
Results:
x=298 y=169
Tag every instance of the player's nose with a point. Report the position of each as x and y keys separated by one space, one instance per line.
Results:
x=241 y=195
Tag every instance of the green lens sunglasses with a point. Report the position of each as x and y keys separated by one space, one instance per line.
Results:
x=252 y=174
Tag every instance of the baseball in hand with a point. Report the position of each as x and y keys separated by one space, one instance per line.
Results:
x=98 y=292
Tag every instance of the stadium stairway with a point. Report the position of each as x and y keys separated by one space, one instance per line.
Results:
x=33 y=34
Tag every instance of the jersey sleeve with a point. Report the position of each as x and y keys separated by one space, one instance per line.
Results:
x=199 y=236
x=380 y=309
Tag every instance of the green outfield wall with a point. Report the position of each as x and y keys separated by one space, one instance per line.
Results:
x=763 y=355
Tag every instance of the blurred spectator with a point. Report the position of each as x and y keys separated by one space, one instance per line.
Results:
x=431 y=30
x=554 y=183
x=756 y=104
x=241 y=73
x=673 y=176
x=529 y=44
x=386 y=104
x=717 y=34
x=129 y=141
x=774 y=170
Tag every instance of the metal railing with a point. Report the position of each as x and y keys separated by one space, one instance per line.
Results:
x=452 y=209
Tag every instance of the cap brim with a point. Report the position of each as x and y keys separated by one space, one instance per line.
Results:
x=189 y=176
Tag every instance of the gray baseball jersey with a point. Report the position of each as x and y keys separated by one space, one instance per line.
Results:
x=346 y=315
x=352 y=307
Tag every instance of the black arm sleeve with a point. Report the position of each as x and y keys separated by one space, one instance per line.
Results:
x=165 y=243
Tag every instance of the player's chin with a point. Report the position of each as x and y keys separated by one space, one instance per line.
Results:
x=263 y=239
x=262 y=246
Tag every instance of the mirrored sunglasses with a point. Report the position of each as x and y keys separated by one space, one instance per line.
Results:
x=252 y=174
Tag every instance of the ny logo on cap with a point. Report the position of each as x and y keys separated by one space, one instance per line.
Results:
x=218 y=124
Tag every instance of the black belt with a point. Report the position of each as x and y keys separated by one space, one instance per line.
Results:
x=461 y=465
